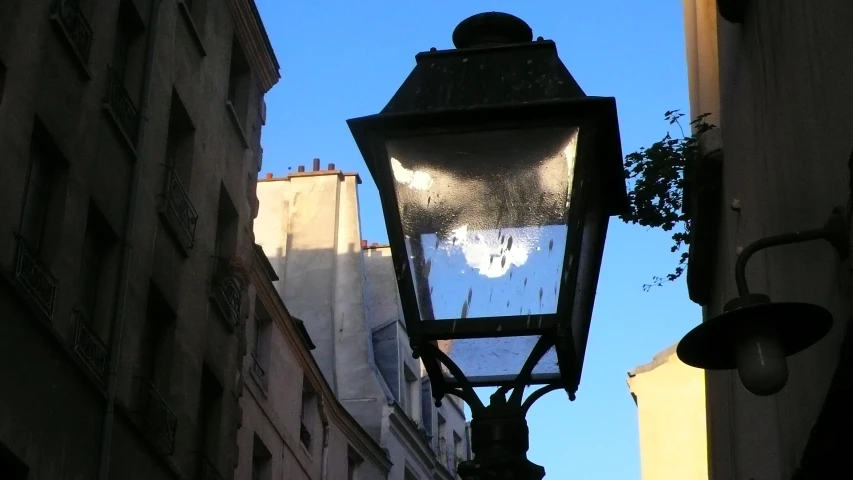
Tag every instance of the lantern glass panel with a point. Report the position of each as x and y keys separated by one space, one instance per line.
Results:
x=484 y=217
x=494 y=361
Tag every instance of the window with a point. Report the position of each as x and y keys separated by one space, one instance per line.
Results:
x=127 y=48
x=354 y=461
x=307 y=413
x=41 y=190
x=443 y=451
x=180 y=140
x=159 y=321
x=261 y=461
x=239 y=82
x=94 y=283
x=226 y=226
x=209 y=412
x=412 y=393
x=458 y=449
x=261 y=344
x=11 y=467
x=409 y=475
x=426 y=406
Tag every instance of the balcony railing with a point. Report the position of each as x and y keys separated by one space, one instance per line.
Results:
x=35 y=279
x=161 y=421
x=258 y=371
x=91 y=349
x=208 y=471
x=121 y=105
x=179 y=208
x=227 y=291
x=70 y=18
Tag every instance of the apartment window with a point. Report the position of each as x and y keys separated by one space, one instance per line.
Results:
x=226 y=226
x=261 y=461
x=426 y=406
x=42 y=188
x=209 y=413
x=126 y=69
x=154 y=354
x=307 y=413
x=412 y=392
x=11 y=467
x=177 y=205
x=239 y=82
x=442 y=440
x=354 y=461
x=94 y=283
x=261 y=344
x=409 y=475
x=458 y=449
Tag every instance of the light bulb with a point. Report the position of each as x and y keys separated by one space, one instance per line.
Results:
x=761 y=364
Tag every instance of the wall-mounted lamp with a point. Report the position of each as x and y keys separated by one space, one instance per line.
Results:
x=755 y=335
x=732 y=11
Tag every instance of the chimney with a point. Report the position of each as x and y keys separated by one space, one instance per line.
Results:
x=331 y=166
x=375 y=244
x=316 y=164
x=268 y=176
x=364 y=244
x=300 y=169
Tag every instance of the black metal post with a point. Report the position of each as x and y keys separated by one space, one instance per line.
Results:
x=500 y=440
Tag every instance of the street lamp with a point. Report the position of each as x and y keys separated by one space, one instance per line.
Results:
x=497 y=176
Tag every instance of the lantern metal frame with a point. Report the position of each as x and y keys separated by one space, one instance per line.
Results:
x=499 y=78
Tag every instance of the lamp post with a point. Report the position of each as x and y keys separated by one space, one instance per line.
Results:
x=497 y=177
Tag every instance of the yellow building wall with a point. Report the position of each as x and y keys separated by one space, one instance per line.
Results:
x=670 y=399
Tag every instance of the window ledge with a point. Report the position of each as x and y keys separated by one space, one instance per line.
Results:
x=125 y=138
x=235 y=120
x=194 y=31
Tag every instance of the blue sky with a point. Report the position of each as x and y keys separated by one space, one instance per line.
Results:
x=343 y=59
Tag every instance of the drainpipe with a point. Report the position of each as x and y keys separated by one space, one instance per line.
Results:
x=127 y=250
x=324 y=419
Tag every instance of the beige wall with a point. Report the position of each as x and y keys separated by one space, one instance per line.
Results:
x=670 y=399
x=309 y=227
x=272 y=404
x=784 y=102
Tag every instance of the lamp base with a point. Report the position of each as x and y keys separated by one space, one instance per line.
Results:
x=499 y=440
x=521 y=469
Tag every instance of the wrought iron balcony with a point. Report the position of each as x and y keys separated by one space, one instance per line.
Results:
x=179 y=209
x=207 y=471
x=161 y=421
x=121 y=105
x=75 y=26
x=258 y=371
x=304 y=435
x=91 y=349
x=227 y=291
x=35 y=279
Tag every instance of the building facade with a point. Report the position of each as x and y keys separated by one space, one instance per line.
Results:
x=293 y=426
x=670 y=398
x=345 y=291
x=130 y=140
x=776 y=79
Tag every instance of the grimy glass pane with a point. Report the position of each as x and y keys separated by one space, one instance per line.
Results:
x=494 y=360
x=484 y=215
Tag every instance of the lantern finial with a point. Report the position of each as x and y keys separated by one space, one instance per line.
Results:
x=491 y=28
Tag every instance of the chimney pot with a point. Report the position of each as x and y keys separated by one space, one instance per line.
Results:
x=268 y=176
x=316 y=165
x=375 y=244
x=331 y=166
x=300 y=168
x=364 y=244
